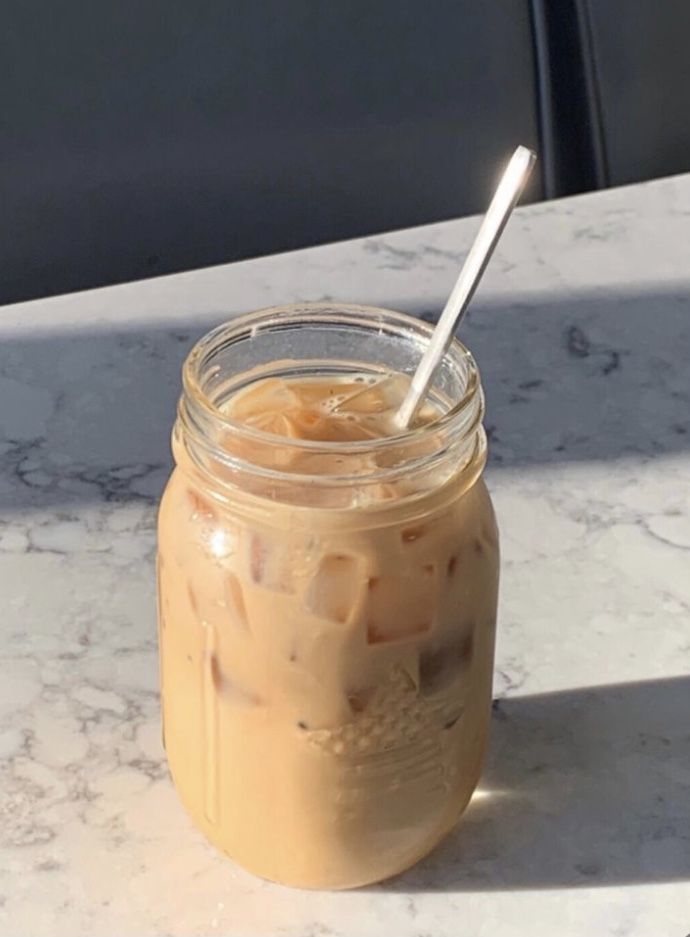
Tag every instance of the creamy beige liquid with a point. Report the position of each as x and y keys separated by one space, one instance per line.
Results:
x=326 y=673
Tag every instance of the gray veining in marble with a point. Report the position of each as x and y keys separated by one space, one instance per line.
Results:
x=582 y=824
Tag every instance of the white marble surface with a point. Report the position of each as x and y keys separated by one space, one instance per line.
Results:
x=582 y=330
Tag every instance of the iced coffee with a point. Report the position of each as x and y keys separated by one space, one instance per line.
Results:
x=327 y=605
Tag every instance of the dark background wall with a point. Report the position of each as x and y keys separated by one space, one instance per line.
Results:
x=139 y=138
x=145 y=137
x=638 y=56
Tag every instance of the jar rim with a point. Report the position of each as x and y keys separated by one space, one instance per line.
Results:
x=462 y=418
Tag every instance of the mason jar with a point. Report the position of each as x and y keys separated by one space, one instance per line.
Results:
x=326 y=621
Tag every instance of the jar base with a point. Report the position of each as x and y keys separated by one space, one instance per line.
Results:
x=336 y=883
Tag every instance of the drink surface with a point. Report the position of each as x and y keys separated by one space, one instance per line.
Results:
x=326 y=671
x=350 y=408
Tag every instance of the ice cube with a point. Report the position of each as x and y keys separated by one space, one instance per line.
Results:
x=400 y=607
x=258 y=551
x=334 y=591
x=200 y=506
x=269 y=565
x=279 y=424
x=234 y=599
x=230 y=689
x=440 y=667
x=359 y=699
x=381 y=634
x=267 y=396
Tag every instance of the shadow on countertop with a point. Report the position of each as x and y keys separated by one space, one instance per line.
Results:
x=582 y=788
x=86 y=415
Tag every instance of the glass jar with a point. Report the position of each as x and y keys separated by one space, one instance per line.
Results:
x=326 y=621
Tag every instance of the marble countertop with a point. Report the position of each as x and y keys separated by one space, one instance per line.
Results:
x=582 y=823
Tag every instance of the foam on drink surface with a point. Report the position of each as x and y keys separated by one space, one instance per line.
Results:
x=341 y=408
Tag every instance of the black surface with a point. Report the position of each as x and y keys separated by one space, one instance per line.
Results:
x=143 y=138
x=639 y=73
x=568 y=105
